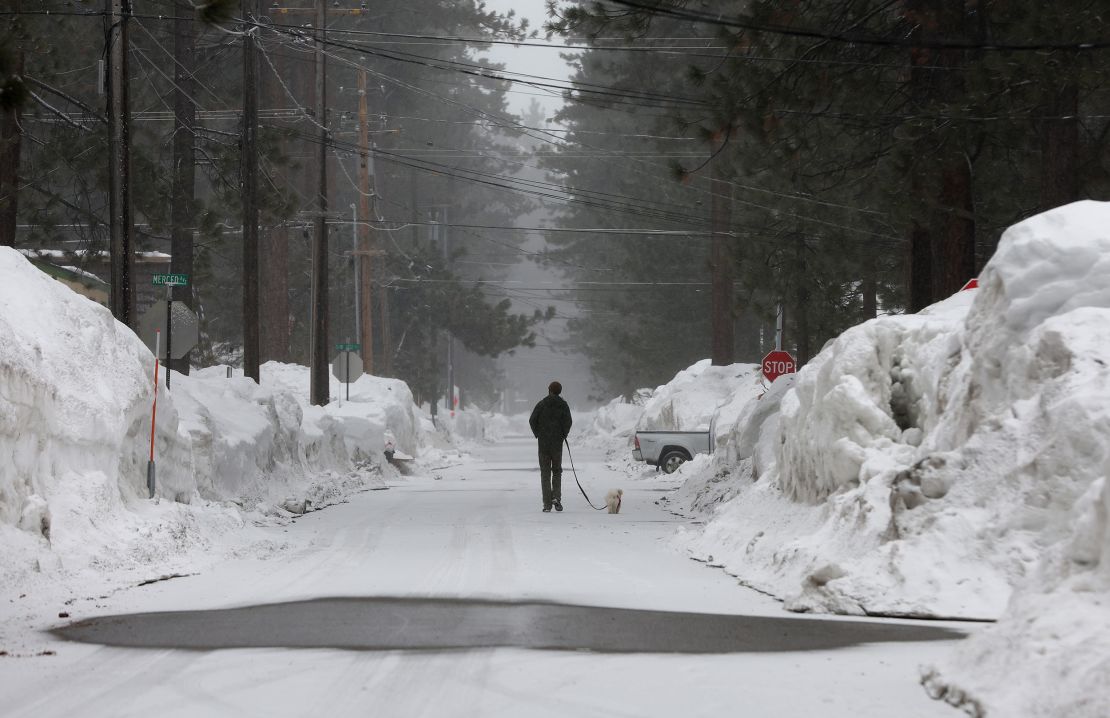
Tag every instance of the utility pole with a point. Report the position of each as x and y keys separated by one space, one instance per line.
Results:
x=366 y=181
x=318 y=389
x=720 y=262
x=182 y=203
x=383 y=314
x=248 y=183
x=444 y=237
x=119 y=162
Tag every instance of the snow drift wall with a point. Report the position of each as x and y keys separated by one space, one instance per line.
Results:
x=76 y=389
x=1028 y=434
x=75 y=408
x=954 y=463
x=362 y=413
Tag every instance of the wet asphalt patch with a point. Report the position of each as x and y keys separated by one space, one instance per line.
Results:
x=378 y=624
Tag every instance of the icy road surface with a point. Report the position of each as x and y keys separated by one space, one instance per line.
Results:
x=472 y=544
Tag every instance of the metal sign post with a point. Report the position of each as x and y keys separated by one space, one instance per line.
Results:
x=170 y=281
x=347 y=365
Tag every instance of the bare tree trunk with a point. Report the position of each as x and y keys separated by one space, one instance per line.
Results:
x=942 y=237
x=11 y=142
x=955 y=248
x=273 y=261
x=955 y=243
x=1060 y=149
x=801 y=301
x=723 y=349
x=274 y=309
x=869 y=289
x=183 y=201
x=248 y=183
x=919 y=267
x=122 y=299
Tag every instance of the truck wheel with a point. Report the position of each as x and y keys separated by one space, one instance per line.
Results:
x=672 y=460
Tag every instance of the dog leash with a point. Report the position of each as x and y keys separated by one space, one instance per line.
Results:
x=572 y=470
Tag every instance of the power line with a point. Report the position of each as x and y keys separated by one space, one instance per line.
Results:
x=856 y=38
x=552 y=139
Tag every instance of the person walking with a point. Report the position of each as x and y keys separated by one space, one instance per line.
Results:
x=550 y=422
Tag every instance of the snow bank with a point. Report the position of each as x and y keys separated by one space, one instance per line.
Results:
x=75 y=407
x=475 y=426
x=701 y=396
x=952 y=463
x=75 y=419
x=376 y=405
x=618 y=418
x=698 y=397
x=1035 y=381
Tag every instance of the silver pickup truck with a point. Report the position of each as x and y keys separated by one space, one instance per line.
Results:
x=667 y=450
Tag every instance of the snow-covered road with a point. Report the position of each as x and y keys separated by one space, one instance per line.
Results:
x=473 y=530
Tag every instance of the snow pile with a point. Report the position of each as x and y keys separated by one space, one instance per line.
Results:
x=699 y=397
x=1035 y=379
x=702 y=396
x=362 y=413
x=257 y=443
x=618 y=418
x=815 y=521
x=75 y=408
x=940 y=463
x=470 y=426
x=76 y=397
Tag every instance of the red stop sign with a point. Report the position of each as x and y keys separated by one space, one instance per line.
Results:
x=777 y=363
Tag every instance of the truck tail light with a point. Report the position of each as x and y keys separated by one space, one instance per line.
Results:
x=636 y=442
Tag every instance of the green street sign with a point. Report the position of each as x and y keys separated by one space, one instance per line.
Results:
x=348 y=347
x=175 y=280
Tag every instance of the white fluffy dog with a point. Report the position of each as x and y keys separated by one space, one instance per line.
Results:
x=613 y=500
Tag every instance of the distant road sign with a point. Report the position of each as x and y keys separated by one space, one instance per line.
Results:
x=173 y=280
x=183 y=322
x=777 y=363
x=347 y=367
x=348 y=347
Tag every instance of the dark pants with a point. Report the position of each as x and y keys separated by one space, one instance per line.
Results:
x=551 y=473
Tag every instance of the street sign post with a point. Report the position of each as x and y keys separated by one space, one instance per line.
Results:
x=183 y=322
x=347 y=366
x=169 y=281
x=777 y=363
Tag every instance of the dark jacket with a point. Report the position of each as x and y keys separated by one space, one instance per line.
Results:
x=550 y=421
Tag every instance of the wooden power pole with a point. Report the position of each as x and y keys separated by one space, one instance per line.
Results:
x=366 y=181
x=248 y=163
x=119 y=161
x=318 y=365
